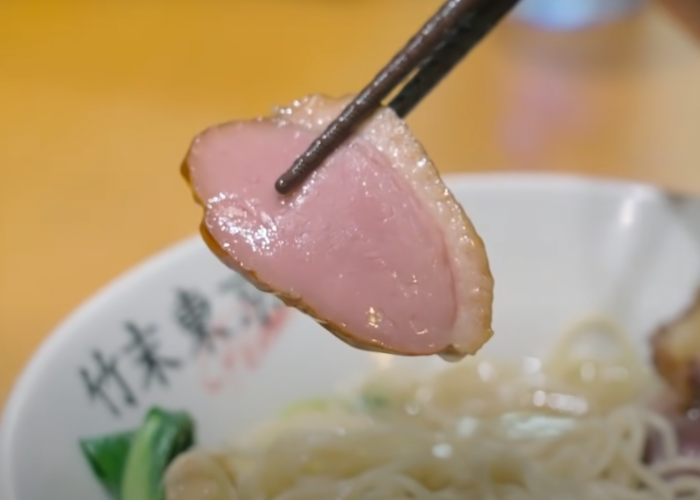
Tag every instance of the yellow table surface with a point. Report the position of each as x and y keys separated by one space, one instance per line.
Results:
x=98 y=102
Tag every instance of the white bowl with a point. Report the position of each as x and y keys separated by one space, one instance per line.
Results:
x=561 y=249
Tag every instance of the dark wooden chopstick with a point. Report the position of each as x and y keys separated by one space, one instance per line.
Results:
x=439 y=45
x=468 y=32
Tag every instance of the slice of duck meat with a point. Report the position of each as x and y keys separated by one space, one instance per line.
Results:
x=373 y=245
x=676 y=356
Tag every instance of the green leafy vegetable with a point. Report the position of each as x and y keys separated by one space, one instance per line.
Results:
x=107 y=457
x=161 y=438
x=131 y=465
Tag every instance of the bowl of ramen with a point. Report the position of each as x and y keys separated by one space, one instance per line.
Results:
x=182 y=381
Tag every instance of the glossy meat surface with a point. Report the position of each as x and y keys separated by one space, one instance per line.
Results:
x=373 y=245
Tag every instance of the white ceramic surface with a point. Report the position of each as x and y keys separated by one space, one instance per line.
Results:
x=561 y=248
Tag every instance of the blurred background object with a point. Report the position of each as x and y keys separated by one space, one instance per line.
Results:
x=574 y=14
x=686 y=12
x=99 y=100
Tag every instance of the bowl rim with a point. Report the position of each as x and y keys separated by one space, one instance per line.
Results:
x=63 y=331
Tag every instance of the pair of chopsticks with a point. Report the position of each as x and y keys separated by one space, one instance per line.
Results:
x=431 y=53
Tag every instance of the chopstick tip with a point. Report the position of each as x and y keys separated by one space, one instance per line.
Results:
x=282 y=185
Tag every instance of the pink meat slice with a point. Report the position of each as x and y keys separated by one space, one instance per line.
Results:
x=373 y=245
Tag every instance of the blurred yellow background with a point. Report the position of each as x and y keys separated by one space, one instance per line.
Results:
x=98 y=102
